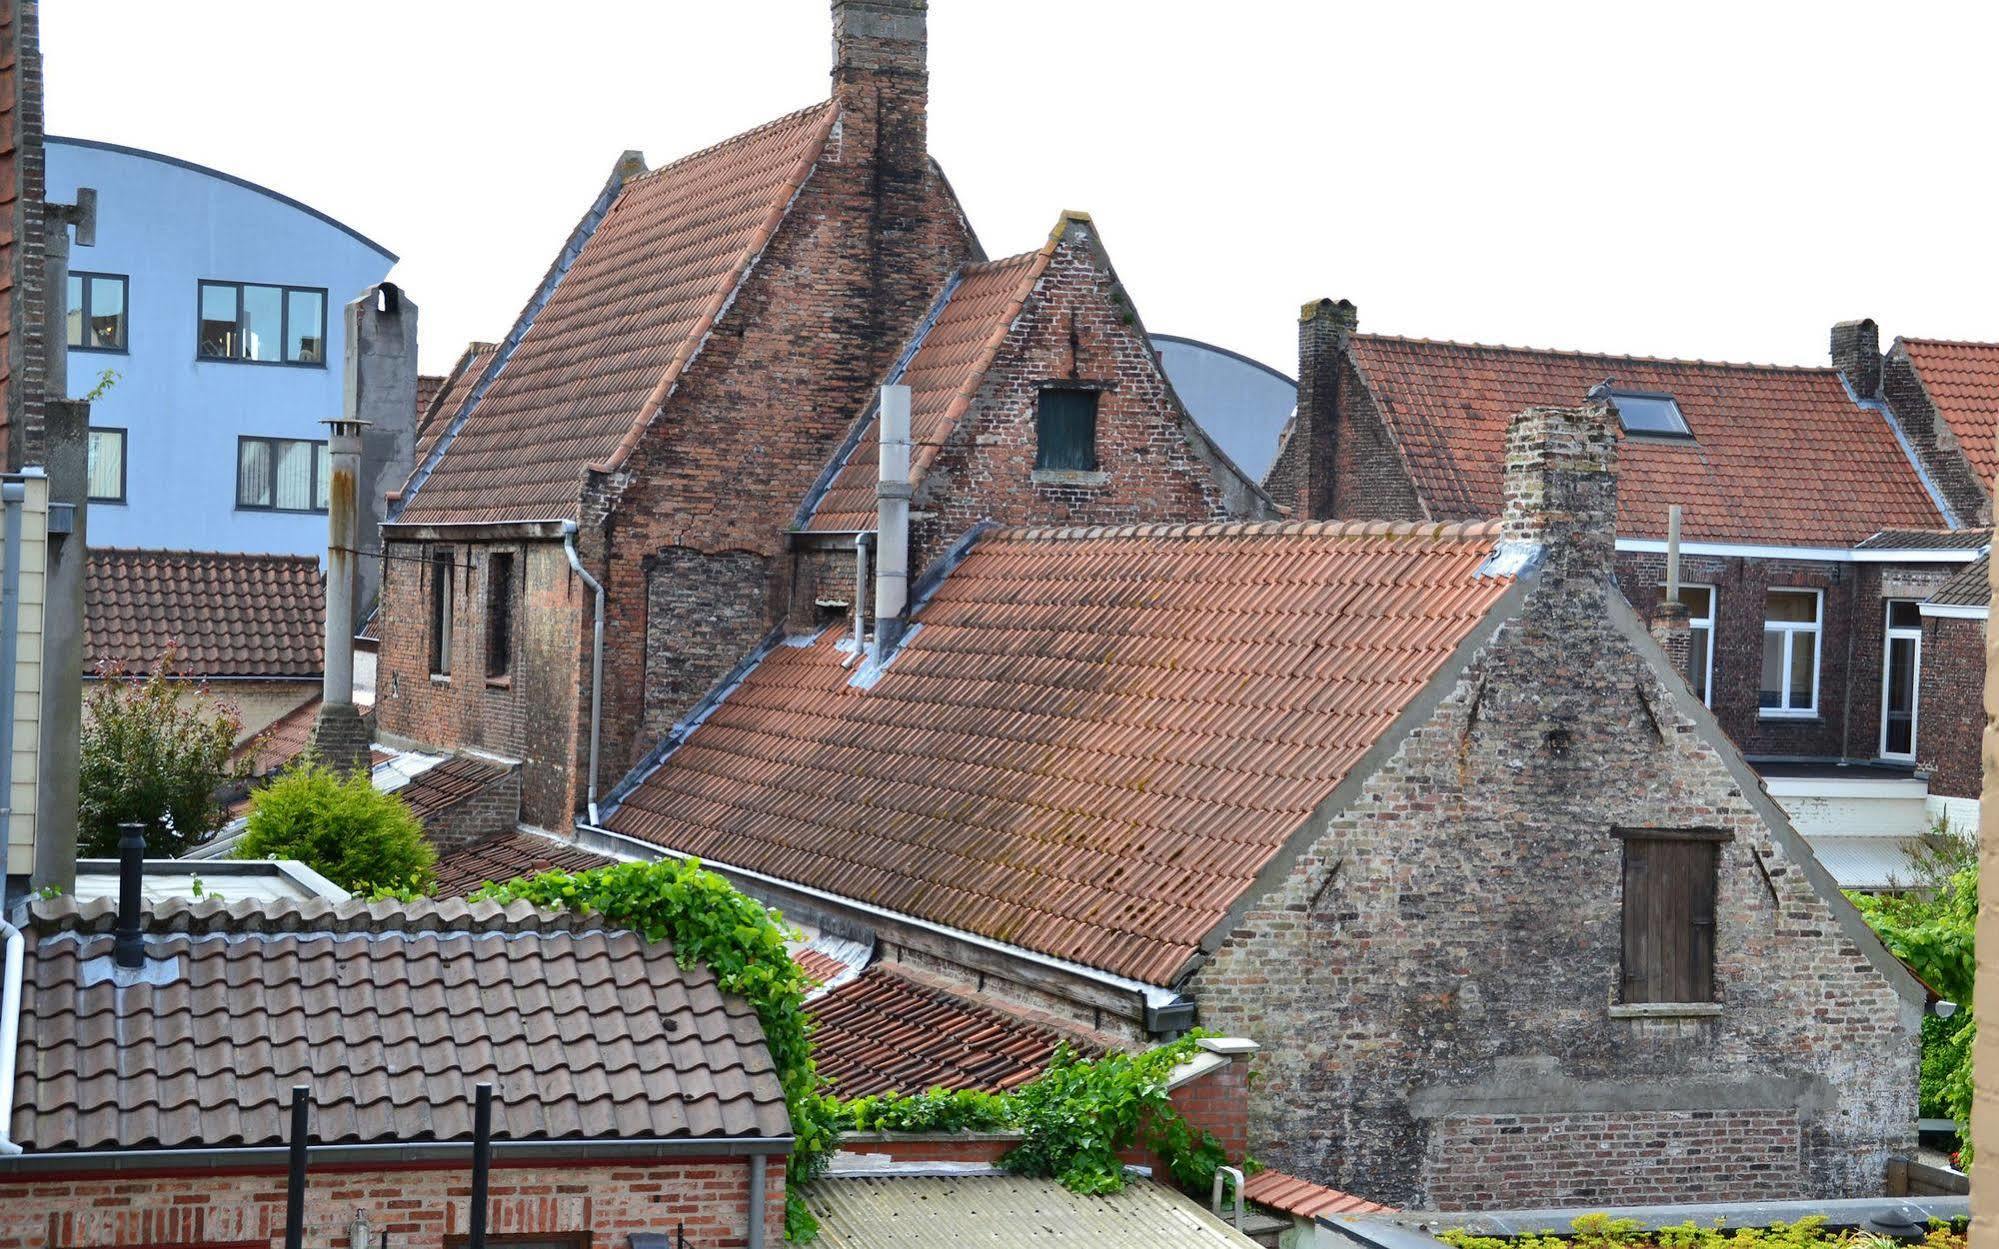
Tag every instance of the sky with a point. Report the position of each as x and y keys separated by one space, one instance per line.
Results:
x=1710 y=180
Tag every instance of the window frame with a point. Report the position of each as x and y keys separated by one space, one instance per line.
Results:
x=285 y=291
x=1716 y=838
x=1041 y=442
x=441 y=607
x=1707 y=623
x=124 y=280
x=124 y=463
x=316 y=488
x=1790 y=629
x=1685 y=433
x=504 y=676
x=1890 y=634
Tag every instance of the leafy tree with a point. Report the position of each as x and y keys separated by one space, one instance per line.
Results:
x=1933 y=929
x=342 y=827
x=155 y=751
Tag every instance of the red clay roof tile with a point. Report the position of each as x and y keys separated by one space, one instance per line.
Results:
x=281 y=741
x=1303 y=1198
x=629 y=313
x=1095 y=740
x=895 y=1029
x=1779 y=455
x=231 y=615
x=508 y=856
x=1963 y=382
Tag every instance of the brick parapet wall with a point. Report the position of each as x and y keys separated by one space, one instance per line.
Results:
x=1399 y=974
x=418 y=1206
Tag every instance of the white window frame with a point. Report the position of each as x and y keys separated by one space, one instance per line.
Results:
x=1790 y=629
x=1704 y=623
x=1889 y=635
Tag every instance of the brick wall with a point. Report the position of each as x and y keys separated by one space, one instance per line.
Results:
x=1485 y=1161
x=418 y=1205
x=704 y=613
x=23 y=163
x=1340 y=461
x=1951 y=716
x=1448 y=942
x=1076 y=327
x=1936 y=446
x=530 y=715
x=494 y=807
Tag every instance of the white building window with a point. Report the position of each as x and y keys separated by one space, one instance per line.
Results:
x=1901 y=679
x=1791 y=623
x=1699 y=601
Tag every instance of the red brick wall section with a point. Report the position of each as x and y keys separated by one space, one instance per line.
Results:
x=1613 y=1160
x=494 y=808
x=1078 y=326
x=1936 y=446
x=530 y=715
x=1951 y=715
x=419 y=1207
x=704 y=613
x=1400 y=973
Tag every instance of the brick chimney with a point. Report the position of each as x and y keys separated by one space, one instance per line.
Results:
x=1856 y=352
x=881 y=80
x=1561 y=492
x=1324 y=329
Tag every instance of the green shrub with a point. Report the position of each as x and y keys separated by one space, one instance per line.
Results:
x=940 y=1110
x=1600 y=1231
x=155 y=751
x=361 y=839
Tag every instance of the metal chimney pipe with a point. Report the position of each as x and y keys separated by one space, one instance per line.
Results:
x=482 y=1163
x=892 y=516
x=128 y=950
x=1673 y=553
x=295 y=1182
x=343 y=534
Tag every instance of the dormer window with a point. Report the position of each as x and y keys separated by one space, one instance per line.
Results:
x=1649 y=412
x=1066 y=431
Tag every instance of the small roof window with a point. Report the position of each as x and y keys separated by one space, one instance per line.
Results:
x=1647 y=412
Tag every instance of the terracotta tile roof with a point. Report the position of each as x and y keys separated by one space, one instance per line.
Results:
x=1963 y=383
x=1928 y=540
x=956 y=346
x=232 y=615
x=818 y=965
x=509 y=856
x=1303 y=1198
x=1094 y=741
x=632 y=309
x=1971 y=587
x=432 y=419
x=281 y=741
x=1779 y=456
x=449 y=783
x=428 y=386
x=392 y=1013
x=896 y=1029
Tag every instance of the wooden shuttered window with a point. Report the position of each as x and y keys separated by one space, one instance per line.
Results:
x=1669 y=894
x=1066 y=431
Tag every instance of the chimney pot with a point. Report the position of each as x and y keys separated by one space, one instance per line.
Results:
x=127 y=948
x=1856 y=352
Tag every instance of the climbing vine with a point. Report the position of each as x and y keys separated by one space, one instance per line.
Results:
x=742 y=942
x=1600 y=1231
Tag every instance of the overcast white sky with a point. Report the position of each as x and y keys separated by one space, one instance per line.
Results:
x=1665 y=179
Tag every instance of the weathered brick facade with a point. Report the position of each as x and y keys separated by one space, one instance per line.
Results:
x=1441 y=962
x=1936 y=446
x=1952 y=716
x=419 y=1205
x=1339 y=460
x=494 y=807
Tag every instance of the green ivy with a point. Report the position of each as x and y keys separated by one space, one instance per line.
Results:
x=1600 y=1231
x=712 y=924
x=940 y=1110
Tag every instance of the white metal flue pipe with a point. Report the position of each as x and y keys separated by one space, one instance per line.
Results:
x=343 y=541
x=892 y=512
x=1673 y=553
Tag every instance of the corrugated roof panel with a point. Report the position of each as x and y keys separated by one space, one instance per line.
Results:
x=888 y=1212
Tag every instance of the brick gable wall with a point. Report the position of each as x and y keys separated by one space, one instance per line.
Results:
x=1951 y=715
x=1936 y=446
x=1444 y=956
x=418 y=1206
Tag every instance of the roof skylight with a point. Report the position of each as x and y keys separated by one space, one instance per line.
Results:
x=1645 y=412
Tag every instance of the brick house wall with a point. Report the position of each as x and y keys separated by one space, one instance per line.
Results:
x=701 y=610
x=530 y=715
x=493 y=807
x=23 y=290
x=1340 y=462
x=418 y=1205
x=1442 y=961
x=1935 y=445
x=1951 y=716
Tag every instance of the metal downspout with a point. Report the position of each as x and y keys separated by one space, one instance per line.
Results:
x=10 y=1034
x=757 y=1180
x=596 y=657
x=14 y=494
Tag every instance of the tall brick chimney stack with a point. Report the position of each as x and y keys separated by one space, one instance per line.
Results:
x=1561 y=492
x=881 y=80
x=1856 y=352
x=1324 y=328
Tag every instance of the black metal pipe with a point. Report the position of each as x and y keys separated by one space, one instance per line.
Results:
x=482 y=1162
x=295 y=1184
x=127 y=949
